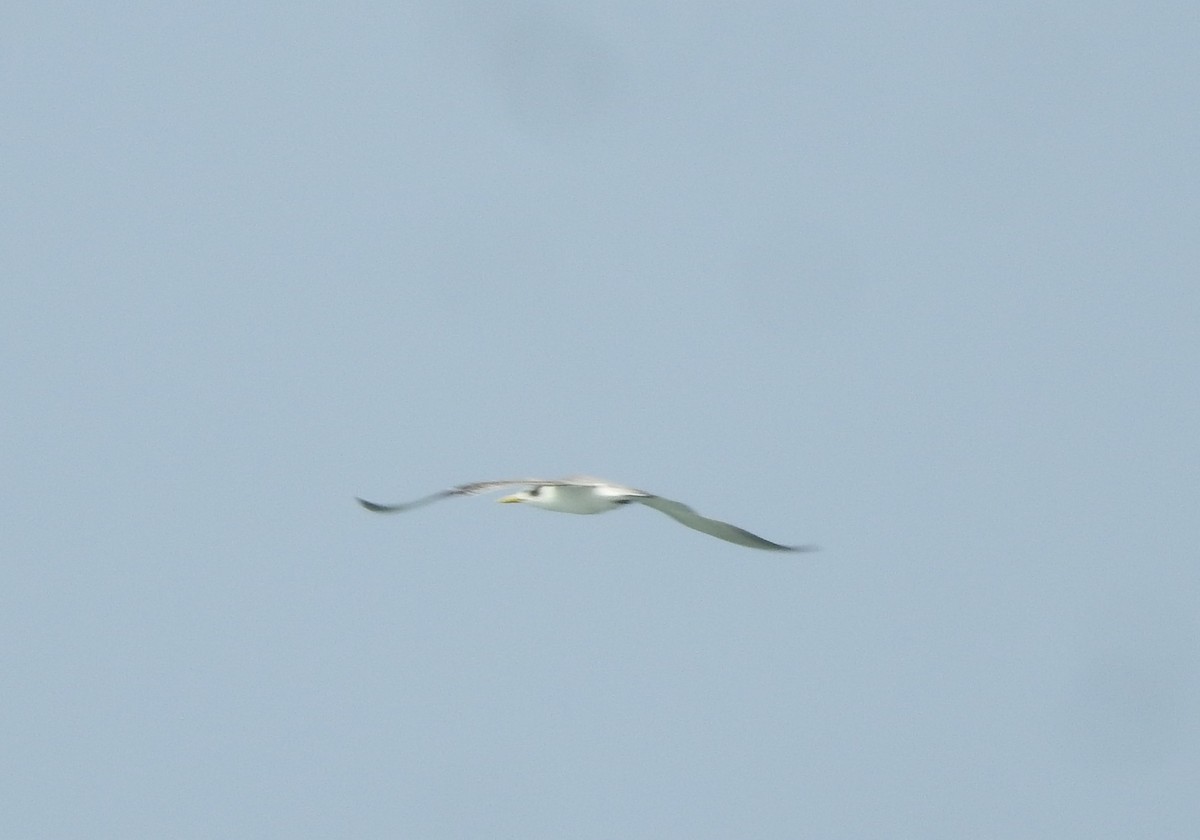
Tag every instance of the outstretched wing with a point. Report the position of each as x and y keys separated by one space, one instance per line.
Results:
x=714 y=527
x=403 y=506
x=461 y=490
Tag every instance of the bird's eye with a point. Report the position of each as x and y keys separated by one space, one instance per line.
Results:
x=533 y=491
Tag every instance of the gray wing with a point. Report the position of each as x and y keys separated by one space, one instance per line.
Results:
x=714 y=527
x=471 y=489
x=403 y=506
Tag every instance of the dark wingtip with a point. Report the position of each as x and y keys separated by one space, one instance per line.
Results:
x=371 y=505
x=803 y=547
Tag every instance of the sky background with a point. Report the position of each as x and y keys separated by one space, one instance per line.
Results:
x=916 y=283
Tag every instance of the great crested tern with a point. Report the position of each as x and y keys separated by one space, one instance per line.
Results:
x=584 y=494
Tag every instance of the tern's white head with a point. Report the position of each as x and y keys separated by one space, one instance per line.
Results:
x=539 y=495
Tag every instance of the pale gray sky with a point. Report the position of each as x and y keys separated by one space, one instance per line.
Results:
x=917 y=284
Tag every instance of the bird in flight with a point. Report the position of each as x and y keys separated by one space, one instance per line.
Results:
x=584 y=494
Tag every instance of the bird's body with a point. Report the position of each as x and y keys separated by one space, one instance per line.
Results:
x=587 y=495
x=575 y=498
